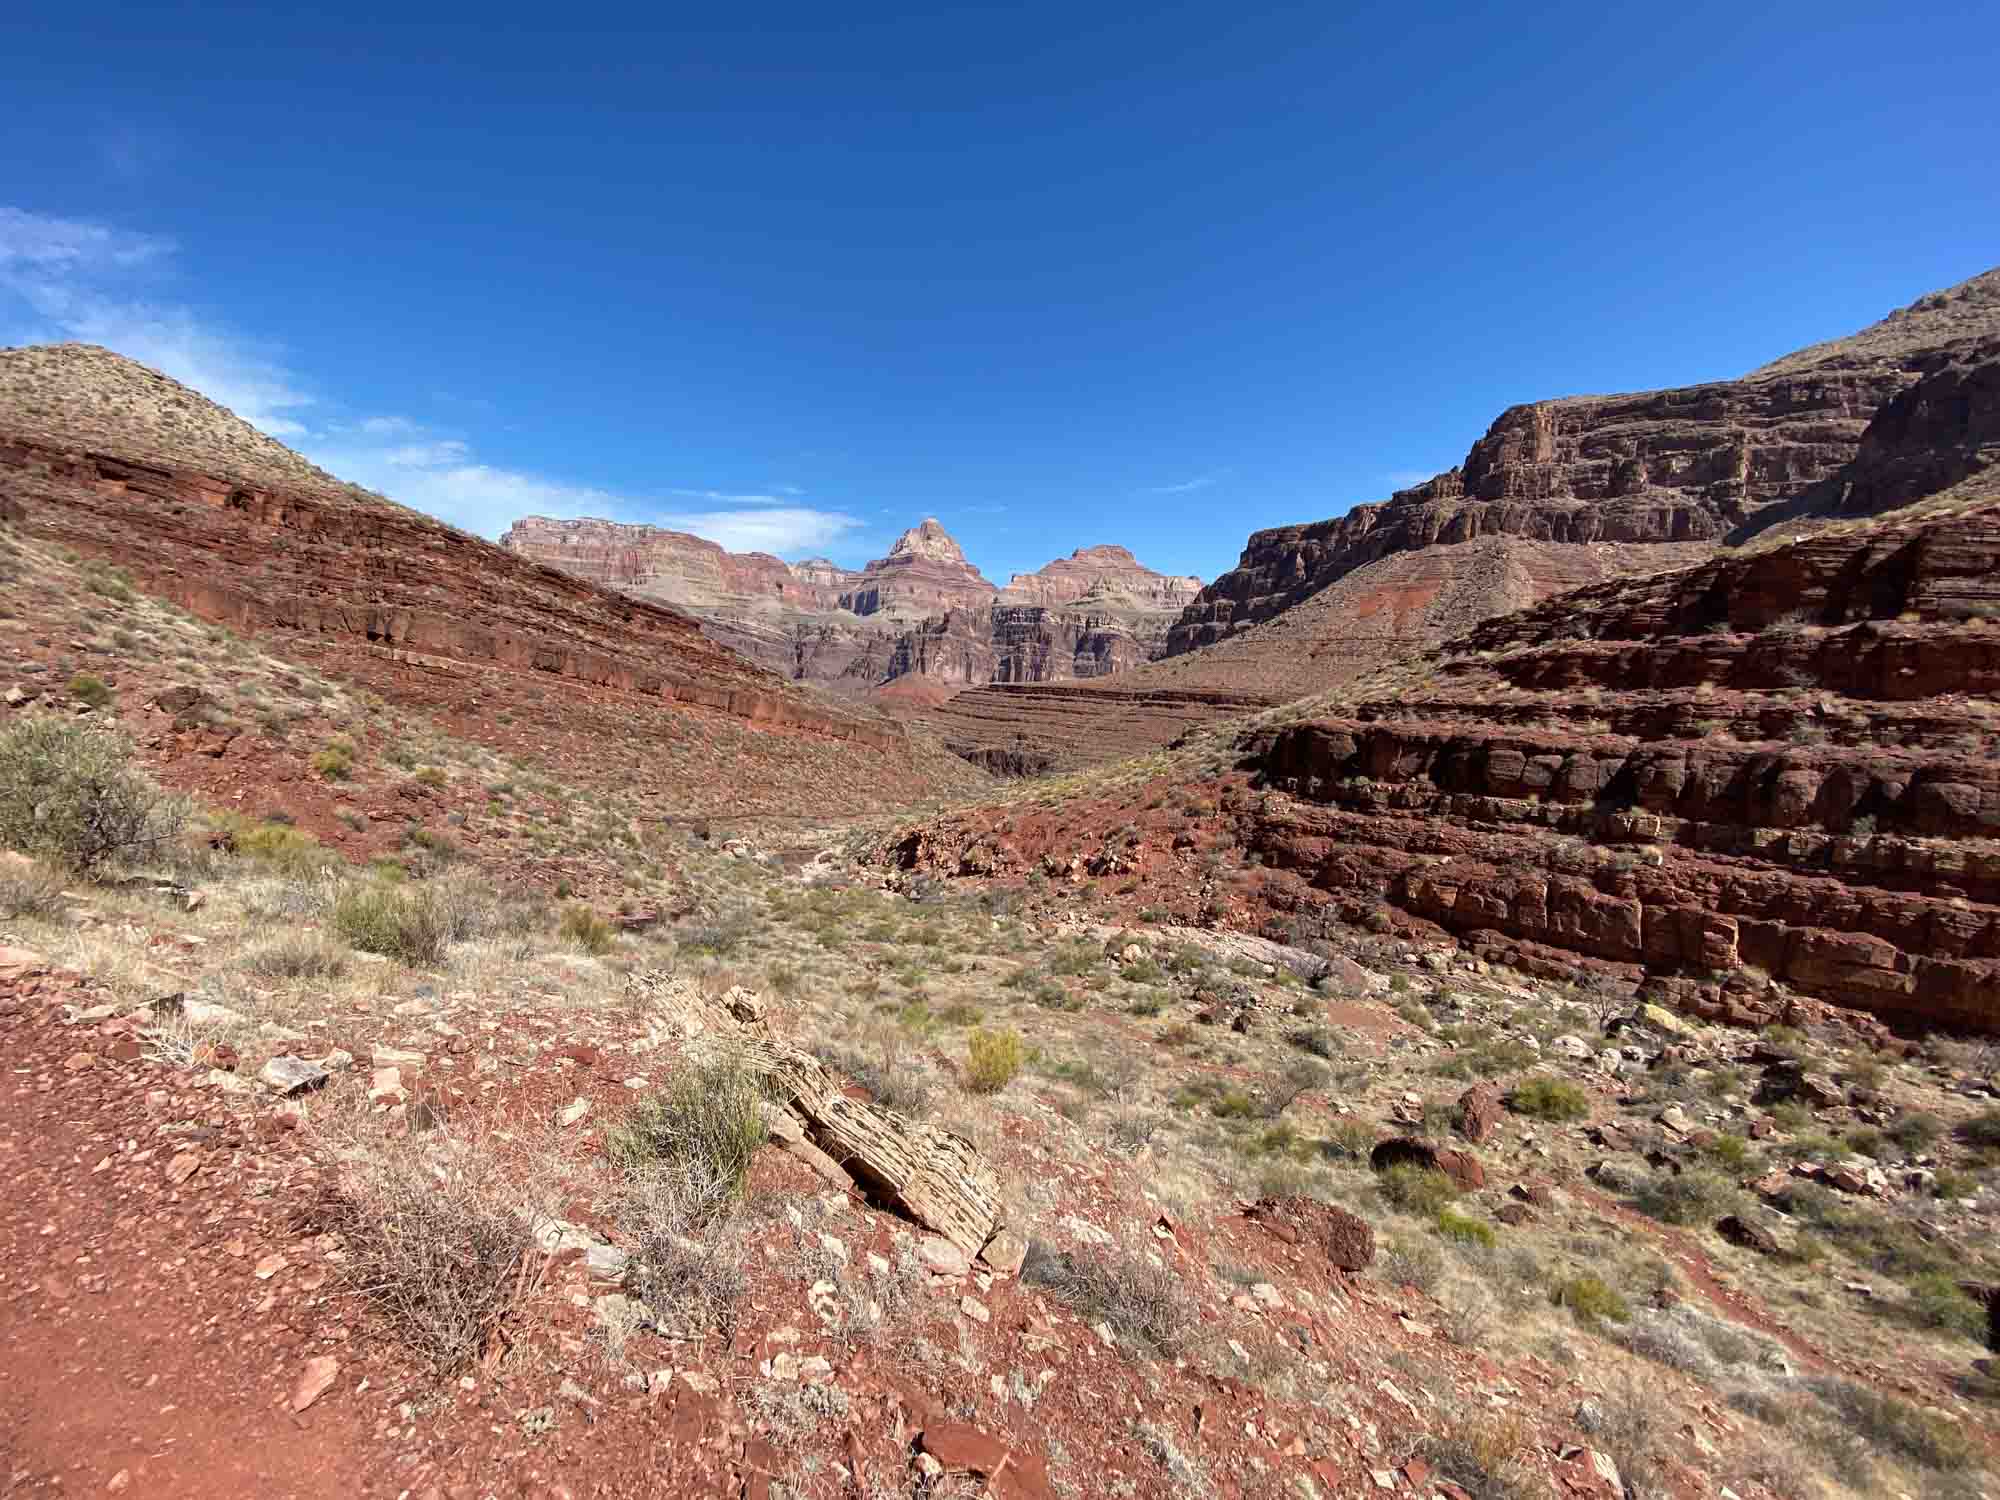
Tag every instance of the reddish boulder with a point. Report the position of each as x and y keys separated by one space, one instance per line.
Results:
x=1348 y=1242
x=1460 y=1166
x=1479 y=1112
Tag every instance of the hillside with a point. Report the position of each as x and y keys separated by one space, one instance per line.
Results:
x=203 y=511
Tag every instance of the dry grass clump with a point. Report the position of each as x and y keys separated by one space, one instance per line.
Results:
x=1482 y=1455
x=1142 y=1302
x=416 y=924
x=700 y=1128
x=685 y=1152
x=28 y=889
x=436 y=1242
x=69 y=796
x=585 y=928
x=303 y=955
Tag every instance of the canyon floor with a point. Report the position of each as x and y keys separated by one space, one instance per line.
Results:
x=394 y=1129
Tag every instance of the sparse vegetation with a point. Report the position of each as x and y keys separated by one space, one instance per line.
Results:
x=69 y=796
x=1547 y=1098
x=993 y=1058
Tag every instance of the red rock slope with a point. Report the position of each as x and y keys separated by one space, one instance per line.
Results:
x=1778 y=771
x=211 y=515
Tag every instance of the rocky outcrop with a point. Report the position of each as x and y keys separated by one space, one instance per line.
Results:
x=672 y=566
x=1681 y=467
x=1106 y=571
x=921 y=621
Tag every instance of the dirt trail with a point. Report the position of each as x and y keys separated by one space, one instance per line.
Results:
x=139 y=1340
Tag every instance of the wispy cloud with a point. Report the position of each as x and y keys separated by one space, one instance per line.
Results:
x=1183 y=487
x=74 y=280
x=96 y=283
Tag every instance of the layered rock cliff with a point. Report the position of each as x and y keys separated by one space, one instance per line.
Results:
x=922 y=620
x=1677 y=468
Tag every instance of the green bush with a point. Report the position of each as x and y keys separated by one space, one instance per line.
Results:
x=336 y=761
x=276 y=844
x=88 y=689
x=701 y=1128
x=1591 y=1300
x=992 y=1059
x=1546 y=1098
x=1983 y=1129
x=588 y=930
x=1463 y=1229
x=69 y=796
x=1937 y=1301
x=414 y=923
x=1424 y=1191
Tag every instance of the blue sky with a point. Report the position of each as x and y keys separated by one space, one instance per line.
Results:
x=796 y=276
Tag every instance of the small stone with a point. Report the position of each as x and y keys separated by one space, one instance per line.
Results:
x=119 y=1482
x=575 y=1110
x=975 y=1310
x=291 y=1075
x=269 y=1266
x=314 y=1381
x=183 y=1166
x=397 y=1057
x=78 y=1062
x=1005 y=1252
x=387 y=1083
x=941 y=1256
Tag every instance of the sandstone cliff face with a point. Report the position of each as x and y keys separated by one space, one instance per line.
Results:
x=1106 y=571
x=1673 y=467
x=922 y=618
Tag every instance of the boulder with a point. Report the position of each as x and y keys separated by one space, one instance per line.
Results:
x=1479 y=1112
x=1460 y=1166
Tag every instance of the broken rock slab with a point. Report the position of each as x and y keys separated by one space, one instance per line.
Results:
x=289 y=1075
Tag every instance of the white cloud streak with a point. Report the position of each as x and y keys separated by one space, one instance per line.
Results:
x=70 y=279
x=1185 y=486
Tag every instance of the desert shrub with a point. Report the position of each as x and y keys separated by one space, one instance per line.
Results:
x=1916 y=1131
x=1349 y=1138
x=1143 y=1303
x=894 y=1077
x=992 y=1059
x=1546 y=1098
x=1411 y=1262
x=1463 y=1229
x=1280 y=1093
x=285 y=848
x=1788 y=1041
x=1142 y=971
x=1982 y=1130
x=1489 y=1457
x=434 y=1242
x=305 y=955
x=416 y=923
x=90 y=690
x=69 y=796
x=1937 y=1301
x=336 y=761
x=29 y=890
x=687 y=1258
x=1320 y=1041
x=1423 y=1191
x=697 y=1134
x=1689 y=1197
x=1591 y=1300
x=1731 y=1152
x=1897 y=1426
x=587 y=929
x=432 y=776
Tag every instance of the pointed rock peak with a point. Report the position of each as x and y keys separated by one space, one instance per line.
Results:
x=928 y=540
